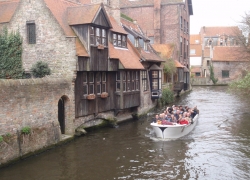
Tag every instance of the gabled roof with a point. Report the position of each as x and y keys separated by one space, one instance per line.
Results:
x=165 y=50
x=87 y=14
x=225 y=53
x=116 y=27
x=128 y=57
x=219 y=30
x=59 y=11
x=7 y=10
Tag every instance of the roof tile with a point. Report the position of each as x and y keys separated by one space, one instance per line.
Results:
x=7 y=9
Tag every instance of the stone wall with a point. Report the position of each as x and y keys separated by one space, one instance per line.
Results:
x=52 y=46
x=32 y=103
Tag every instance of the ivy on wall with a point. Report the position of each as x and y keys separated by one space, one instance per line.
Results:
x=10 y=55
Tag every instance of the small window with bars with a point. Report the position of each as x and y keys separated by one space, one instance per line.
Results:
x=31 y=32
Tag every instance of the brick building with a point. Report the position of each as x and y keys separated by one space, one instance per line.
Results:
x=164 y=22
x=219 y=47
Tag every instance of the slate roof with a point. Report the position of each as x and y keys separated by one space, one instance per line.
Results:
x=7 y=10
x=219 y=30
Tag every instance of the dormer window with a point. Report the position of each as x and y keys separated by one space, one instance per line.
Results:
x=145 y=45
x=98 y=36
x=136 y=42
x=119 y=40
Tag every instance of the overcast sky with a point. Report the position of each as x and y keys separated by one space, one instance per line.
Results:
x=217 y=13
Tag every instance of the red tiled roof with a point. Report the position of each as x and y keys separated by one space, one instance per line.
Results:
x=165 y=50
x=7 y=9
x=59 y=10
x=195 y=69
x=84 y=14
x=85 y=1
x=219 y=30
x=128 y=57
x=116 y=27
x=80 y=49
x=225 y=53
x=178 y=64
x=195 y=39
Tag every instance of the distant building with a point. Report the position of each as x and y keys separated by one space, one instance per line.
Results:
x=165 y=22
x=218 y=47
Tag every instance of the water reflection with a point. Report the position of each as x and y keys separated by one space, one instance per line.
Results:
x=218 y=148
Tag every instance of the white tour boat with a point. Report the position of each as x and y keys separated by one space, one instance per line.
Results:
x=174 y=131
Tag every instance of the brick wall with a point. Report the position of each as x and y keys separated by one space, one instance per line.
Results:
x=31 y=102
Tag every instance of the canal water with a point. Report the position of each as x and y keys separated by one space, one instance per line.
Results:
x=218 y=148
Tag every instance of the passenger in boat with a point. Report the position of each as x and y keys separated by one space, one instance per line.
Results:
x=170 y=110
x=177 y=114
x=154 y=120
x=180 y=117
x=173 y=118
x=168 y=117
x=184 y=121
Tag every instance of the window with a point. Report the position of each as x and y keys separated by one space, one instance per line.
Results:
x=145 y=46
x=187 y=48
x=192 y=51
x=197 y=74
x=152 y=39
x=155 y=80
x=144 y=80
x=85 y=84
x=208 y=63
x=181 y=22
x=184 y=26
x=119 y=40
x=136 y=42
x=98 y=36
x=181 y=46
x=124 y=81
x=184 y=48
x=118 y=81
x=31 y=32
x=225 y=74
x=94 y=83
x=187 y=28
x=130 y=81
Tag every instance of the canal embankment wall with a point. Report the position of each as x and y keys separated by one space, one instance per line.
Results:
x=31 y=103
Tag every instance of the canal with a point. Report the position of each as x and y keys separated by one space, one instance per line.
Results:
x=218 y=148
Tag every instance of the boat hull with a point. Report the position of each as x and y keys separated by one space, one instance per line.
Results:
x=173 y=131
